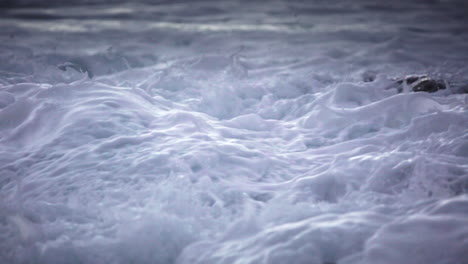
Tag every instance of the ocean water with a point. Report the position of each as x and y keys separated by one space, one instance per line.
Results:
x=233 y=132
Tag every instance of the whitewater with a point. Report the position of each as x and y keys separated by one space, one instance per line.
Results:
x=242 y=132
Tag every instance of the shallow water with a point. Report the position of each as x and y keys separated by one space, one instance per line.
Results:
x=233 y=132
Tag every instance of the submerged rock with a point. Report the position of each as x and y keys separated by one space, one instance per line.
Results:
x=98 y=64
x=77 y=66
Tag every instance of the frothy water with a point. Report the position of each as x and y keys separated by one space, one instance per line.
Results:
x=235 y=132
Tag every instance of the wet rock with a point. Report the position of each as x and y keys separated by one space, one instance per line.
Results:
x=428 y=85
x=77 y=66
x=420 y=83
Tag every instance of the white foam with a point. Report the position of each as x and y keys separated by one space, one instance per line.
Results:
x=224 y=142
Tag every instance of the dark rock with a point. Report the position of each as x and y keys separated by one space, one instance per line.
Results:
x=428 y=85
x=421 y=83
x=77 y=66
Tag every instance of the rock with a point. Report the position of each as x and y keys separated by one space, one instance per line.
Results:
x=428 y=85
x=77 y=66
x=421 y=83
